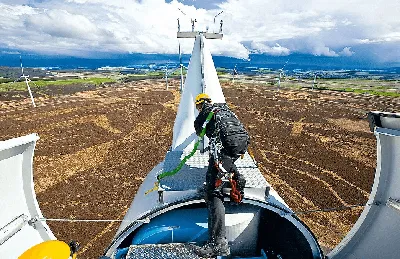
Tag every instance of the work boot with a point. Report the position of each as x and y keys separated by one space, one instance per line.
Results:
x=212 y=249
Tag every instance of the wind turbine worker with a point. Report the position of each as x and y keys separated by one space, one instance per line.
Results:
x=229 y=139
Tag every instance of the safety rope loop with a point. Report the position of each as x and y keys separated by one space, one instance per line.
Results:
x=186 y=158
x=146 y=220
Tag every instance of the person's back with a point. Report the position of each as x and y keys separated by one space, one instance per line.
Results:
x=231 y=132
x=226 y=126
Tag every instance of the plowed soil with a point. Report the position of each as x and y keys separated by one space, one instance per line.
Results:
x=97 y=145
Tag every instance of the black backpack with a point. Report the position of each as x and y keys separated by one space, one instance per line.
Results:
x=230 y=129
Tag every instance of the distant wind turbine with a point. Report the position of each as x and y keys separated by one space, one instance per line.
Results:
x=166 y=75
x=315 y=81
x=281 y=72
x=181 y=66
x=169 y=72
x=234 y=73
x=179 y=50
x=27 y=80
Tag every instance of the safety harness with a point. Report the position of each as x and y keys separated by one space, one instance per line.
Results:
x=234 y=193
x=223 y=175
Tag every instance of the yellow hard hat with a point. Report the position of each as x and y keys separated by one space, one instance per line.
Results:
x=200 y=98
x=53 y=249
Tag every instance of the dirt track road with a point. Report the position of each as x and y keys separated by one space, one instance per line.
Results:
x=97 y=146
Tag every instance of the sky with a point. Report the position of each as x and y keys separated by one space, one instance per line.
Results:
x=367 y=29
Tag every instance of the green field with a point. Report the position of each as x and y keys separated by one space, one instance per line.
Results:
x=362 y=91
x=361 y=86
x=377 y=87
x=43 y=83
x=389 y=88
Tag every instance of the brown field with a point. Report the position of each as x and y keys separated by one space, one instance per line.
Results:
x=97 y=145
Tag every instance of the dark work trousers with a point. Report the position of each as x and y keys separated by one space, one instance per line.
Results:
x=215 y=198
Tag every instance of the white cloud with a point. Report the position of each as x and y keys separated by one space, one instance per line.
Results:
x=346 y=22
x=276 y=27
x=324 y=51
x=346 y=52
x=62 y=24
x=10 y=52
x=227 y=47
x=366 y=41
x=276 y=50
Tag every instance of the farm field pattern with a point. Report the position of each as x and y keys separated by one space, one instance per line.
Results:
x=96 y=147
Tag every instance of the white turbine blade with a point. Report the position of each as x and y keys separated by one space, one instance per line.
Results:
x=284 y=65
x=33 y=83
x=201 y=78
x=183 y=131
x=22 y=68
x=212 y=86
x=30 y=92
x=180 y=54
x=181 y=67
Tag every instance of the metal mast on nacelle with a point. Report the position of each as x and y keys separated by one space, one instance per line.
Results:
x=194 y=34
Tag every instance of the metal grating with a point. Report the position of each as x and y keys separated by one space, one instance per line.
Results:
x=192 y=175
x=164 y=251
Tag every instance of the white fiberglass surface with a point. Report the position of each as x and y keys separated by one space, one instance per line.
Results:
x=184 y=132
x=201 y=74
x=18 y=198
x=376 y=232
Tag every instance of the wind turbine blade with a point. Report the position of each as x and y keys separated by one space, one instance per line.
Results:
x=180 y=67
x=180 y=54
x=33 y=83
x=201 y=78
x=29 y=90
x=22 y=68
x=285 y=64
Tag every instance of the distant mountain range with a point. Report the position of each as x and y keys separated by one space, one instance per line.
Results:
x=257 y=63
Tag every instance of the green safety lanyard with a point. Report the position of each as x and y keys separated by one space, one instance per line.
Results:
x=183 y=161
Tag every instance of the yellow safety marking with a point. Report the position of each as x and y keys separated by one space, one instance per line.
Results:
x=155 y=188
